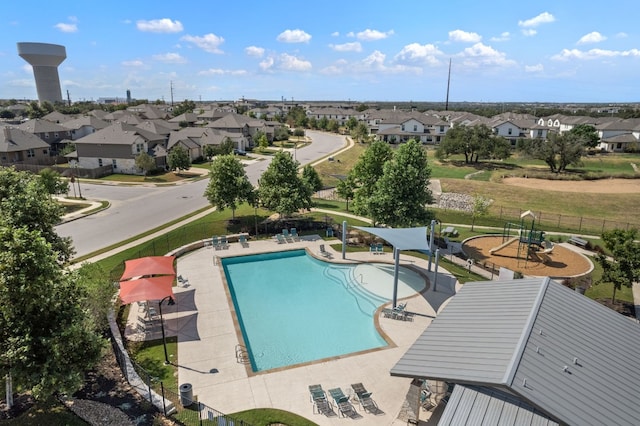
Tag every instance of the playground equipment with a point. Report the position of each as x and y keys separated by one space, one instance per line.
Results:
x=528 y=239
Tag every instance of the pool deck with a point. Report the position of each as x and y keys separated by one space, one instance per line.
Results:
x=203 y=320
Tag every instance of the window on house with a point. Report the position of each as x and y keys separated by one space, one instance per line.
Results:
x=31 y=153
x=619 y=146
x=510 y=130
x=114 y=163
x=415 y=127
x=403 y=127
x=100 y=162
x=441 y=129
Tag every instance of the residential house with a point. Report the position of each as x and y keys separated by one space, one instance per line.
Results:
x=53 y=134
x=58 y=117
x=19 y=146
x=402 y=126
x=85 y=125
x=150 y=112
x=515 y=129
x=339 y=115
x=188 y=117
x=619 y=135
x=242 y=129
x=117 y=146
x=529 y=351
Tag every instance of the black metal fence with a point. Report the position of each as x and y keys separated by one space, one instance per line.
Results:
x=175 y=403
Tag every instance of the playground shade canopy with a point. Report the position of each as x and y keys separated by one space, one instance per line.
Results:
x=147 y=266
x=401 y=238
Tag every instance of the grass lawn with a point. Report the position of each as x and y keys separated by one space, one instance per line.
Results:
x=169 y=177
x=150 y=356
x=50 y=413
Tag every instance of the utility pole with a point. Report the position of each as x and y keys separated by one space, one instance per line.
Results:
x=171 y=85
x=446 y=105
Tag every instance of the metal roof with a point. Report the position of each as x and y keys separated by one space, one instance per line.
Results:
x=555 y=349
x=480 y=405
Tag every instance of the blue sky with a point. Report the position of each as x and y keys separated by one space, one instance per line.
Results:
x=501 y=51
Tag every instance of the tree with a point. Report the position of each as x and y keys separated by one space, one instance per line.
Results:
x=401 y=195
x=35 y=110
x=228 y=184
x=179 y=159
x=345 y=189
x=226 y=147
x=97 y=293
x=281 y=133
x=311 y=176
x=479 y=208
x=587 y=134
x=26 y=203
x=46 y=339
x=281 y=189
x=145 y=162
x=351 y=123
x=209 y=151
x=360 y=133
x=623 y=269
x=475 y=142
x=53 y=182
x=181 y=108
x=558 y=150
x=366 y=173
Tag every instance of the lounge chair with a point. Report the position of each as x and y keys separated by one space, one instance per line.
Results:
x=342 y=401
x=280 y=239
x=323 y=251
x=319 y=399
x=242 y=239
x=373 y=249
x=380 y=248
x=224 y=243
x=215 y=242
x=294 y=234
x=286 y=235
x=182 y=282
x=364 y=398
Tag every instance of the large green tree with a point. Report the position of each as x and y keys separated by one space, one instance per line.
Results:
x=311 y=176
x=475 y=142
x=179 y=159
x=145 y=162
x=281 y=189
x=587 y=134
x=228 y=184
x=623 y=267
x=559 y=150
x=402 y=193
x=366 y=172
x=183 y=107
x=53 y=182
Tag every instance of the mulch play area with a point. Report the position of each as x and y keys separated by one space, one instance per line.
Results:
x=561 y=262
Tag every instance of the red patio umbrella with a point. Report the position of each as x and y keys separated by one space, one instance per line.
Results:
x=148 y=266
x=147 y=288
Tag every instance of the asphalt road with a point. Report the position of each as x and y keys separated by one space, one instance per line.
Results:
x=137 y=209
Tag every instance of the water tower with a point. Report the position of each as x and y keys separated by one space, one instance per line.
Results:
x=45 y=58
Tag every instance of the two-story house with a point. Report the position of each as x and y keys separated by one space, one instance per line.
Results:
x=52 y=133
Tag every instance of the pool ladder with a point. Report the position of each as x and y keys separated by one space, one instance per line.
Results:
x=242 y=356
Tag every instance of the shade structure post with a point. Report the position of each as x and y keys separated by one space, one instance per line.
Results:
x=431 y=239
x=435 y=274
x=396 y=254
x=164 y=340
x=344 y=239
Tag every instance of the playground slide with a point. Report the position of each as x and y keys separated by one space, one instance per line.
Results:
x=503 y=245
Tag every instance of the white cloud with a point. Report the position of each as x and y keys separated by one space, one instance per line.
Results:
x=351 y=34
x=464 y=36
x=172 y=58
x=427 y=53
x=622 y=35
x=347 y=47
x=335 y=34
x=592 y=37
x=254 y=51
x=165 y=25
x=505 y=36
x=292 y=63
x=373 y=35
x=66 y=28
x=218 y=71
x=267 y=63
x=534 y=68
x=209 y=42
x=567 y=54
x=136 y=63
x=543 y=18
x=294 y=36
x=529 y=32
x=481 y=54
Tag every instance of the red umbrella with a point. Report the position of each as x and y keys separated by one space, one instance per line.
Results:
x=147 y=266
x=151 y=288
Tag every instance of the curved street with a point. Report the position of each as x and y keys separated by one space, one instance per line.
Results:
x=137 y=209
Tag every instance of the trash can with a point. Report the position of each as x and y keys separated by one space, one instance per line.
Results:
x=186 y=394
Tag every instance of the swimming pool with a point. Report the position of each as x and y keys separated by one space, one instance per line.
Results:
x=293 y=308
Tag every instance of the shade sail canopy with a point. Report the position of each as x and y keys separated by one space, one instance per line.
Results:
x=401 y=238
x=151 y=288
x=147 y=266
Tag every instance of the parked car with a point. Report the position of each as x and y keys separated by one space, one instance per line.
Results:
x=237 y=151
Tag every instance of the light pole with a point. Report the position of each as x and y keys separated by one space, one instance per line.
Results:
x=78 y=180
x=171 y=302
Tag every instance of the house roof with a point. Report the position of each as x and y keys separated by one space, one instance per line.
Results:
x=120 y=134
x=563 y=353
x=86 y=121
x=13 y=139
x=38 y=125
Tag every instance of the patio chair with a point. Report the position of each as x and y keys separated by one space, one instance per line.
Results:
x=215 y=242
x=373 y=249
x=286 y=235
x=182 y=282
x=364 y=398
x=319 y=399
x=342 y=401
x=323 y=251
x=242 y=239
x=224 y=243
x=280 y=239
x=294 y=234
x=380 y=248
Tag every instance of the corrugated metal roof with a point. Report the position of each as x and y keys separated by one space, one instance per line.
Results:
x=563 y=353
x=475 y=337
x=477 y=405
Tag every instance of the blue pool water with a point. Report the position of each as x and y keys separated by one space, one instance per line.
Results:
x=293 y=308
